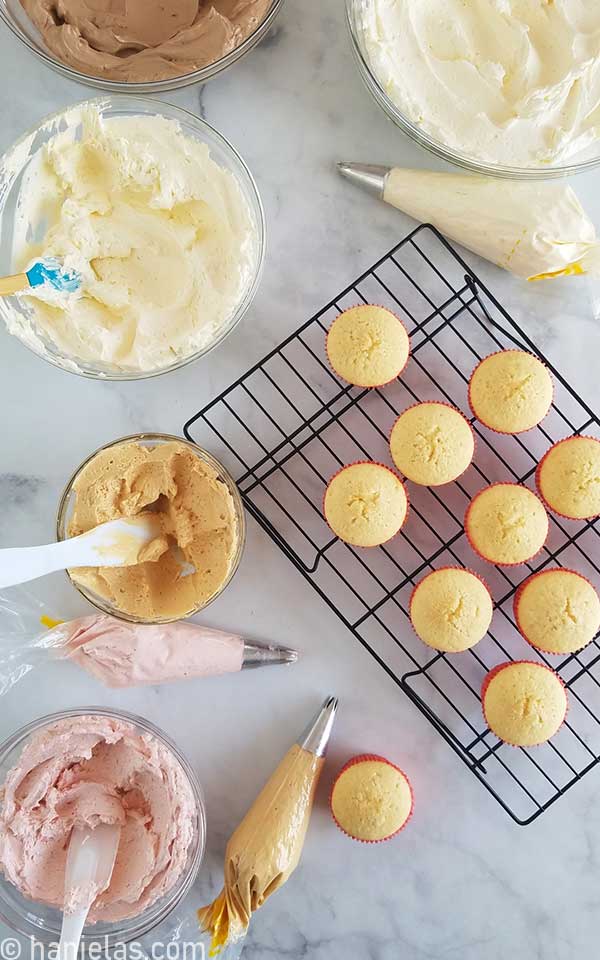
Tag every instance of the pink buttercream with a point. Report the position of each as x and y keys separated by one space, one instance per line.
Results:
x=87 y=770
x=133 y=654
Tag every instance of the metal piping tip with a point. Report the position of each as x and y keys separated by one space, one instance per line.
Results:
x=316 y=736
x=369 y=176
x=265 y=655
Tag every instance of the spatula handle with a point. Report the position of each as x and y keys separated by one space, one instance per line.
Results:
x=15 y=284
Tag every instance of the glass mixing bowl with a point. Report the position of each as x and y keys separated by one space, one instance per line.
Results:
x=15 y=18
x=43 y=922
x=67 y=502
x=437 y=147
x=15 y=162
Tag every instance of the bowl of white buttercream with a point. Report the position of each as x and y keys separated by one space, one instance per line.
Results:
x=143 y=46
x=157 y=213
x=84 y=767
x=505 y=88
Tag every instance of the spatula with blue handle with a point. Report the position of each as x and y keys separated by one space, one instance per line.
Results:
x=48 y=272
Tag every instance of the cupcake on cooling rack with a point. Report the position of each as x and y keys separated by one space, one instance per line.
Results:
x=506 y=524
x=568 y=478
x=368 y=346
x=451 y=609
x=510 y=391
x=371 y=799
x=432 y=443
x=365 y=504
x=524 y=703
x=557 y=611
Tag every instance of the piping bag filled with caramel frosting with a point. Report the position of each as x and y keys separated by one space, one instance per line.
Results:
x=266 y=847
x=532 y=229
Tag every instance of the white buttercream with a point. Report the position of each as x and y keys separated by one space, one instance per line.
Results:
x=532 y=229
x=516 y=82
x=161 y=234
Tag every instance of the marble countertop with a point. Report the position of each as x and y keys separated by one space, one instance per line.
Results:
x=463 y=881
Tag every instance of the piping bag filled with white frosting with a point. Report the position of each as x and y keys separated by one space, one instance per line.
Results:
x=535 y=230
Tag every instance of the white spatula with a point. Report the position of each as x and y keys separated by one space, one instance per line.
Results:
x=90 y=862
x=113 y=544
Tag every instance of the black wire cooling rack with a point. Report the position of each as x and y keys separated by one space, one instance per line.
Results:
x=289 y=423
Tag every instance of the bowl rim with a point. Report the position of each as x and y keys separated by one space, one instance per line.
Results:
x=174 y=896
x=437 y=147
x=121 y=101
x=148 y=86
x=202 y=454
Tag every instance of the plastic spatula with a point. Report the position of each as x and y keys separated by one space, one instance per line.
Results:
x=113 y=544
x=90 y=861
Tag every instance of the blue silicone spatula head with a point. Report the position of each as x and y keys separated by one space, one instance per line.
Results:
x=51 y=271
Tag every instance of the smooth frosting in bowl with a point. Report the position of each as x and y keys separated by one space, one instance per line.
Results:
x=161 y=234
x=86 y=770
x=513 y=82
x=143 y=40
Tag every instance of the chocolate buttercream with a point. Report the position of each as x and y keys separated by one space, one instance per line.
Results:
x=143 y=40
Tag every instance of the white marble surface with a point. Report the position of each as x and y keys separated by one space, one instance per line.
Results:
x=463 y=880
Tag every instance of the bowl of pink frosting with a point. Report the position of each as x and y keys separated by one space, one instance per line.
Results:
x=85 y=767
x=143 y=46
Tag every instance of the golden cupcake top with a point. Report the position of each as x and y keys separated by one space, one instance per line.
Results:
x=568 y=478
x=371 y=799
x=368 y=345
x=365 y=504
x=195 y=510
x=557 y=611
x=510 y=391
x=506 y=524
x=432 y=443
x=451 y=609
x=524 y=703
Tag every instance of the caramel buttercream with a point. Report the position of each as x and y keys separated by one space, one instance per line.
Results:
x=198 y=519
x=143 y=40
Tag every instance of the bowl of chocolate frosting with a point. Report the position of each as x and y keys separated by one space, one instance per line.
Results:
x=139 y=45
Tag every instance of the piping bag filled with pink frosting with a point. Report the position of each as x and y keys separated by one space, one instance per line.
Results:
x=122 y=654
x=266 y=847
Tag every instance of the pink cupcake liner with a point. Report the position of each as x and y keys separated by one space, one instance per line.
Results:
x=371 y=386
x=468 y=535
x=508 y=433
x=426 y=577
x=510 y=663
x=371 y=463
x=517 y=597
x=362 y=758
x=441 y=403
x=538 y=472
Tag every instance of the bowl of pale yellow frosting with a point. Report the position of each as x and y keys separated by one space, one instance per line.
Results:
x=197 y=508
x=159 y=216
x=507 y=89
x=142 y=46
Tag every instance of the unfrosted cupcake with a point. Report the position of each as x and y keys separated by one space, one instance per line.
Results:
x=510 y=391
x=524 y=703
x=432 y=443
x=506 y=524
x=365 y=504
x=371 y=799
x=557 y=611
x=368 y=345
x=451 y=609
x=568 y=478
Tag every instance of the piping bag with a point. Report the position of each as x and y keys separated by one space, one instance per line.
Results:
x=265 y=848
x=535 y=230
x=121 y=654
